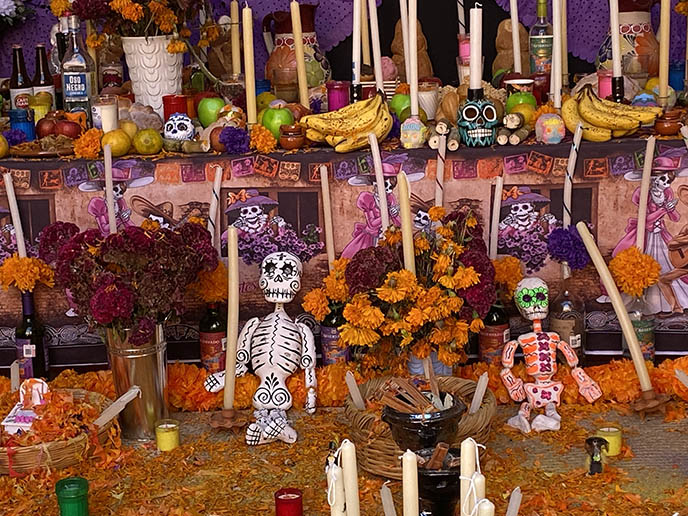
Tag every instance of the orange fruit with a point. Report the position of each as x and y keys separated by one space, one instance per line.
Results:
x=148 y=141
x=119 y=142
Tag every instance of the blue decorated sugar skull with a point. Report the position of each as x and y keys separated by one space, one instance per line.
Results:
x=179 y=127
x=477 y=121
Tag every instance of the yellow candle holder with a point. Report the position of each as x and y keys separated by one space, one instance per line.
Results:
x=167 y=434
x=614 y=436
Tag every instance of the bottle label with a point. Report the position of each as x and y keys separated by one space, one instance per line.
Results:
x=541 y=53
x=25 y=362
x=76 y=84
x=334 y=350
x=19 y=97
x=491 y=343
x=213 y=346
x=645 y=332
x=566 y=328
x=46 y=89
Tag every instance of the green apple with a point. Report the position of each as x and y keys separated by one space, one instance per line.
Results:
x=208 y=109
x=520 y=97
x=406 y=112
x=275 y=117
x=399 y=102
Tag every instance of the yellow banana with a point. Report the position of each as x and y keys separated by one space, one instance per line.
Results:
x=381 y=129
x=602 y=118
x=643 y=115
x=333 y=140
x=641 y=109
x=315 y=136
x=571 y=116
x=356 y=122
x=618 y=133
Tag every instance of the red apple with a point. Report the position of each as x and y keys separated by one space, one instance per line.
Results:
x=45 y=126
x=215 y=143
x=68 y=128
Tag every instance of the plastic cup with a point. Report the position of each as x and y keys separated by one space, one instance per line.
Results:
x=72 y=496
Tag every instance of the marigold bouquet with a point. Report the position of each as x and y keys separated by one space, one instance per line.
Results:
x=508 y=272
x=136 y=278
x=332 y=297
x=433 y=310
x=634 y=271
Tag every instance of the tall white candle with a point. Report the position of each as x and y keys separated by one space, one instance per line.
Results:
x=232 y=315
x=644 y=193
x=616 y=37
x=249 y=67
x=299 y=51
x=356 y=43
x=479 y=486
x=514 y=502
x=377 y=53
x=406 y=223
x=564 y=45
x=14 y=212
x=486 y=508
x=409 y=479
x=350 y=468
x=496 y=209
x=467 y=470
x=214 y=203
x=413 y=52
x=556 y=51
x=235 y=39
x=403 y=9
x=664 y=43
x=365 y=35
x=476 y=64
x=327 y=214
x=379 y=181
x=515 y=35
x=109 y=189
x=335 y=488
x=439 y=180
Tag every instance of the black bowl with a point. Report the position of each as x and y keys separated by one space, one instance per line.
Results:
x=439 y=489
x=417 y=431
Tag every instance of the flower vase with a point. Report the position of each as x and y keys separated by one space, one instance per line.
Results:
x=145 y=366
x=153 y=70
x=415 y=365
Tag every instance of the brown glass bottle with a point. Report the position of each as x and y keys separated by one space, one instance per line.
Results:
x=213 y=338
x=42 y=80
x=20 y=83
x=494 y=335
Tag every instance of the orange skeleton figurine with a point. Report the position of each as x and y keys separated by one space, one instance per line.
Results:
x=540 y=353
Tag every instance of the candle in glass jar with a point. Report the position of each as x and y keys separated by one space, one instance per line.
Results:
x=428 y=97
x=288 y=502
x=105 y=113
x=167 y=434
x=337 y=94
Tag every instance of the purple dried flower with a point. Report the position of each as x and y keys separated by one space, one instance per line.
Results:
x=396 y=127
x=566 y=245
x=14 y=137
x=235 y=140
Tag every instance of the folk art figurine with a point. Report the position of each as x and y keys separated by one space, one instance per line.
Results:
x=540 y=353
x=275 y=347
x=477 y=121
x=595 y=459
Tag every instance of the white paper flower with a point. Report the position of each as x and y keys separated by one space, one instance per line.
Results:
x=8 y=8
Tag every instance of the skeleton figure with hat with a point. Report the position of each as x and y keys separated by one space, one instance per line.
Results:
x=367 y=234
x=161 y=213
x=253 y=213
x=671 y=293
x=126 y=173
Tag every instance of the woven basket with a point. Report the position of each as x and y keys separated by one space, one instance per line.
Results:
x=55 y=454
x=377 y=452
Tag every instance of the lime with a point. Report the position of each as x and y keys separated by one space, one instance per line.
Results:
x=406 y=112
x=148 y=141
x=119 y=142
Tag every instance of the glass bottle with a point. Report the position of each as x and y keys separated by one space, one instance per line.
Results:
x=541 y=40
x=643 y=321
x=31 y=352
x=566 y=317
x=43 y=80
x=494 y=335
x=110 y=69
x=78 y=72
x=56 y=57
x=20 y=83
x=213 y=336
x=331 y=348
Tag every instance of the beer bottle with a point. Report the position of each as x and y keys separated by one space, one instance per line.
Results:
x=31 y=352
x=20 y=83
x=43 y=81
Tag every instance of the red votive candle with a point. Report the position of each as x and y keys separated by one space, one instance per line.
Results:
x=288 y=502
x=172 y=104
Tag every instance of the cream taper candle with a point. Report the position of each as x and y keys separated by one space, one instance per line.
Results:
x=564 y=46
x=476 y=63
x=406 y=223
x=403 y=10
x=214 y=203
x=439 y=176
x=467 y=469
x=335 y=488
x=365 y=36
x=14 y=212
x=486 y=508
x=295 y=9
x=409 y=486
x=327 y=214
x=356 y=43
x=350 y=468
x=235 y=38
x=249 y=67
x=379 y=181
x=413 y=53
x=570 y=171
x=664 y=44
x=616 y=37
x=496 y=210
x=109 y=189
x=644 y=193
x=232 y=315
x=375 y=37
x=479 y=486
x=515 y=35
x=556 y=52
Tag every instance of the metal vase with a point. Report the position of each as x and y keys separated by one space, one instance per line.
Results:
x=145 y=366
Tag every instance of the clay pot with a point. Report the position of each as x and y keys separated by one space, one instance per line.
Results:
x=292 y=137
x=667 y=126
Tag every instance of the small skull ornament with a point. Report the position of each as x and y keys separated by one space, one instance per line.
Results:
x=280 y=277
x=179 y=127
x=532 y=298
x=477 y=122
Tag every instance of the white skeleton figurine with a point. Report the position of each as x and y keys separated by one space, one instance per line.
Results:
x=422 y=221
x=523 y=216
x=540 y=353
x=275 y=346
x=252 y=219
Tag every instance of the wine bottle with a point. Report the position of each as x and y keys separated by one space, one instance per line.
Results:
x=31 y=351
x=213 y=337
x=494 y=335
x=541 y=41
x=332 y=350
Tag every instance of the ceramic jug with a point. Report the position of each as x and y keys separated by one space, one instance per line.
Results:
x=279 y=41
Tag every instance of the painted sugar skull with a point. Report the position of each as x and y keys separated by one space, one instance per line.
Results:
x=179 y=127
x=550 y=129
x=477 y=122
x=280 y=277
x=532 y=298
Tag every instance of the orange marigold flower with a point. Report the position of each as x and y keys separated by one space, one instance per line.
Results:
x=355 y=336
x=262 y=139
x=421 y=244
x=25 y=273
x=88 y=144
x=398 y=286
x=95 y=40
x=59 y=7
x=634 y=271
x=471 y=221
x=176 y=47
x=403 y=88
x=129 y=10
x=442 y=263
x=316 y=303
x=415 y=317
x=392 y=236
x=212 y=32
x=450 y=357
x=476 y=325
x=421 y=349
x=437 y=213
x=185 y=32
x=394 y=327
x=203 y=43
x=507 y=274
x=211 y=286
x=360 y=312
x=445 y=232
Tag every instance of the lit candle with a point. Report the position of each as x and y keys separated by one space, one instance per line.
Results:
x=467 y=469
x=377 y=54
x=14 y=212
x=564 y=46
x=515 y=35
x=232 y=315
x=409 y=479
x=406 y=222
x=664 y=42
x=335 y=488
x=327 y=214
x=413 y=55
x=288 y=502
x=109 y=189
x=234 y=32
x=356 y=43
x=644 y=193
x=556 y=50
x=476 y=64
x=619 y=307
x=496 y=209
x=365 y=35
x=299 y=51
x=616 y=37
x=350 y=469
x=403 y=10
x=439 y=179
x=167 y=434
x=486 y=508
x=214 y=202
x=379 y=181
x=249 y=68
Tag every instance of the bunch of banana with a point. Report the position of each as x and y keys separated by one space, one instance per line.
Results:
x=571 y=115
x=610 y=115
x=347 y=128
